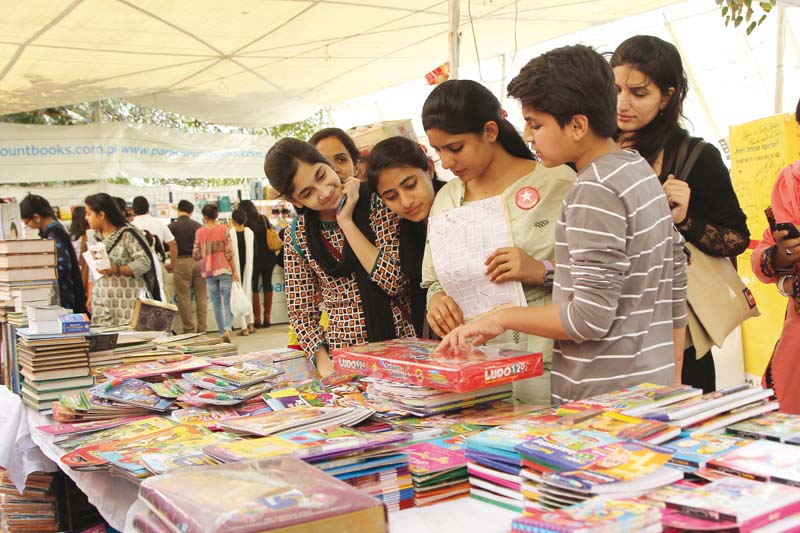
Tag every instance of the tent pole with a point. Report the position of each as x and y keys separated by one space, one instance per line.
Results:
x=780 y=50
x=454 y=45
x=692 y=80
x=502 y=80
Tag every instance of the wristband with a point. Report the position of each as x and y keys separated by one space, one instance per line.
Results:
x=781 y=290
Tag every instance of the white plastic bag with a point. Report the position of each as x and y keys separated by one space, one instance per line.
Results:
x=240 y=305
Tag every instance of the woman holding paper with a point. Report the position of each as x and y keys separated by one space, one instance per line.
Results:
x=402 y=175
x=123 y=262
x=468 y=129
x=342 y=243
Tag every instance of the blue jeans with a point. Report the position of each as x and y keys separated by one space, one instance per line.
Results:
x=219 y=287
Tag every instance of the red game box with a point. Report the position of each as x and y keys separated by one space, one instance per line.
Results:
x=416 y=362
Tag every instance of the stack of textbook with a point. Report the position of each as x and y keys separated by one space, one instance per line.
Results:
x=33 y=510
x=52 y=365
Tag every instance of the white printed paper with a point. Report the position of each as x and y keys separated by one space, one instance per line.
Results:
x=461 y=239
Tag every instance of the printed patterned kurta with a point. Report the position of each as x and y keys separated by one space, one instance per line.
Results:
x=304 y=277
x=113 y=297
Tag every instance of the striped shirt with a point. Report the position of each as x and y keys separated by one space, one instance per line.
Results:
x=620 y=280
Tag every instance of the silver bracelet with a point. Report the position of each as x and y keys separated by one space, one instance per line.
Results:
x=781 y=290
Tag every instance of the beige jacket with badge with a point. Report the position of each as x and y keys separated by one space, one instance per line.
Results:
x=533 y=230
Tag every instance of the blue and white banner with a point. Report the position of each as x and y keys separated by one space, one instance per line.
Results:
x=30 y=153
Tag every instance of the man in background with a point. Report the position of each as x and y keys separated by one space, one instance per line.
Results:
x=36 y=213
x=187 y=275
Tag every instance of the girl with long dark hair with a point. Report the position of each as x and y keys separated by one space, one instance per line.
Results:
x=403 y=177
x=341 y=151
x=264 y=261
x=467 y=127
x=651 y=88
x=132 y=271
x=343 y=243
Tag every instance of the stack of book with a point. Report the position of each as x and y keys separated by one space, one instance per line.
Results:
x=716 y=410
x=761 y=460
x=594 y=515
x=52 y=365
x=780 y=427
x=734 y=504
x=33 y=510
x=282 y=494
x=293 y=419
x=426 y=401
x=55 y=320
x=101 y=353
x=438 y=469
x=27 y=274
x=27 y=271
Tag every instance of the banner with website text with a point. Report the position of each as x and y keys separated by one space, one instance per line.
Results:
x=31 y=153
x=759 y=150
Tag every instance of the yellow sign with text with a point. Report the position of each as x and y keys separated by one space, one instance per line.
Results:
x=759 y=151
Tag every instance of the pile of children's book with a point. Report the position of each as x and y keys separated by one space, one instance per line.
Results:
x=53 y=355
x=281 y=493
x=32 y=511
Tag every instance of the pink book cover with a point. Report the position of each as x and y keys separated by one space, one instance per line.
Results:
x=762 y=460
x=154 y=368
x=426 y=458
x=254 y=496
x=148 y=522
x=76 y=428
x=493 y=479
x=416 y=362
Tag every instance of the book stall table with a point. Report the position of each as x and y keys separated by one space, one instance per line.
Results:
x=24 y=451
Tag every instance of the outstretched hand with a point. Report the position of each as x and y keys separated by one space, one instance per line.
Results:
x=473 y=334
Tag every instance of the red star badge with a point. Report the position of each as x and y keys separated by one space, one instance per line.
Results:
x=527 y=198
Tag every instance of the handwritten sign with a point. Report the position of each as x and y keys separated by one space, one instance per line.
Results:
x=759 y=150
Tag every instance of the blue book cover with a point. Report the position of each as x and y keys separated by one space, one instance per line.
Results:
x=694 y=452
x=488 y=462
x=74 y=323
x=566 y=450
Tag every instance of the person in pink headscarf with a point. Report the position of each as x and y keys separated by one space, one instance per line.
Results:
x=777 y=260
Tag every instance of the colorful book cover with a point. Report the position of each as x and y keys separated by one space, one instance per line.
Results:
x=416 y=361
x=77 y=428
x=569 y=449
x=314 y=444
x=183 y=439
x=643 y=397
x=742 y=501
x=594 y=514
x=762 y=460
x=171 y=388
x=88 y=456
x=779 y=427
x=207 y=418
x=258 y=496
x=620 y=461
x=155 y=368
x=265 y=424
x=144 y=426
x=131 y=391
x=160 y=463
x=245 y=373
x=204 y=380
x=427 y=457
x=692 y=453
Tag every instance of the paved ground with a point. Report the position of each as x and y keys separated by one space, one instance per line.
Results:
x=263 y=339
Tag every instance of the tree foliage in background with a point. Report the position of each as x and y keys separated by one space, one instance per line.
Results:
x=739 y=11
x=118 y=110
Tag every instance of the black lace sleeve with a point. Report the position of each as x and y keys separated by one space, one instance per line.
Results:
x=715 y=223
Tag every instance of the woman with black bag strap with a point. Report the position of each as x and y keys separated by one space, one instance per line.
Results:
x=131 y=270
x=651 y=88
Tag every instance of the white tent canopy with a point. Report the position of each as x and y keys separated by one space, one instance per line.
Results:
x=259 y=62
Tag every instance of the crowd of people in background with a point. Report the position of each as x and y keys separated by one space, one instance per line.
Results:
x=203 y=259
x=604 y=191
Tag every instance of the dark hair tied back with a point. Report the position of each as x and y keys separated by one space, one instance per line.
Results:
x=661 y=62
x=465 y=106
x=391 y=153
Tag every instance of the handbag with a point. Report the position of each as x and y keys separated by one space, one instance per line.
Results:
x=152 y=315
x=274 y=242
x=718 y=300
